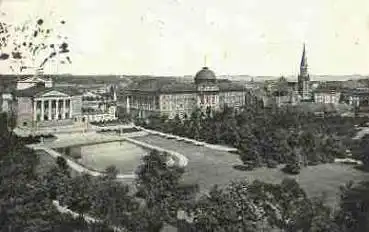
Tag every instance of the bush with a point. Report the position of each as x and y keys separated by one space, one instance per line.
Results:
x=61 y=162
x=292 y=169
x=272 y=164
x=244 y=167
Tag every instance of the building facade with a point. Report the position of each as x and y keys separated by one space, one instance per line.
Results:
x=327 y=96
x=171 y=97
x=41 y=106
x=99 y=106
x=358 y=98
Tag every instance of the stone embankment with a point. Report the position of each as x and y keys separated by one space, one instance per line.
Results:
x=195 y=142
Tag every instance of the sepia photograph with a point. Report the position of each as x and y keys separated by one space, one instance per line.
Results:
x=184 y=116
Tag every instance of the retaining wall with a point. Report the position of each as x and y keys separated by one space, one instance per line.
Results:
x=195 y=142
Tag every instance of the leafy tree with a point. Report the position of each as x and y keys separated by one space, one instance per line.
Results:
x=111 y=172
x=229 y=209
x=353 y=214
x=62 y=164
x=78 y=194
x=293 y=164
x=159 y=185
x=285 y=206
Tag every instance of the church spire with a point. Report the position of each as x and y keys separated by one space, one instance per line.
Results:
x=304 y=78
x=303 y=58
x=304 y=65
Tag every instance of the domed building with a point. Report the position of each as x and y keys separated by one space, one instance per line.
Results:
x=205 y=75
x=172 y=96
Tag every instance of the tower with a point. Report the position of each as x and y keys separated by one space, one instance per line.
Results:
x=304 y=78
x=207 y=89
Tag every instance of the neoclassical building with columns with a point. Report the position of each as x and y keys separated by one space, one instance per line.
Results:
x=37 y=103
x=40 y=106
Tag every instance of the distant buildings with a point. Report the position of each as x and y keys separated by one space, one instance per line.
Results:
x=99 y=106
x=171 y=97
x=283 y=92
x=327 y=95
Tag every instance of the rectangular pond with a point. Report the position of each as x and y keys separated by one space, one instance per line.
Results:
x=124 y=155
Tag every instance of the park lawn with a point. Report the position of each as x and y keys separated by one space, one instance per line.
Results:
x=316 y=180
x=124 y=155
x=208 y=167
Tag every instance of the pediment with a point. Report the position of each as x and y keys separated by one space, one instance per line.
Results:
x=54 y=93
x=33 y=79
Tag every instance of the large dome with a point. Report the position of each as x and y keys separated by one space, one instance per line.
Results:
x=205 y=74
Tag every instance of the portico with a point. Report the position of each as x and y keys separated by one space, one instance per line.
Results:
x=52 y=108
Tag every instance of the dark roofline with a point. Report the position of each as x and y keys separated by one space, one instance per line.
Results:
x=37 y=90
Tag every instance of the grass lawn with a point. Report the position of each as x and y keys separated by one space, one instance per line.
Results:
x=208 y=167
x=124 y=155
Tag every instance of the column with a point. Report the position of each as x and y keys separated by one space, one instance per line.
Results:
x=57 y=109
x=42 y=110
x=127 y=105
x=49 y=116
x=63 y=109
x=70 y=108
x=35 y=110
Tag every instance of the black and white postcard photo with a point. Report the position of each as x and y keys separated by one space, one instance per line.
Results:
x=184 y=116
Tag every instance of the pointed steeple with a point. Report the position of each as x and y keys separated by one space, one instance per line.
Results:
x=304 y=65
x=304 y=78
x=303 y=58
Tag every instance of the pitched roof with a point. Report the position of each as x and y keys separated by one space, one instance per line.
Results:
x=39 y=90
x=356 y=92
x=171 y=85
x=325 y=88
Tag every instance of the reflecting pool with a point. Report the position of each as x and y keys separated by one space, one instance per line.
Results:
x=124 y=155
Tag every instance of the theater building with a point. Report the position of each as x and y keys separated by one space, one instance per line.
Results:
x=36 y=103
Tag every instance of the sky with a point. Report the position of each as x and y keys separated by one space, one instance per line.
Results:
x=178 y=37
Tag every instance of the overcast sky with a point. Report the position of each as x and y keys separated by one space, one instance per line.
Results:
x=172 y=37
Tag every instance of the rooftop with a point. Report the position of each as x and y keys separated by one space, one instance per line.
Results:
x=171 y=85
x=39 y=90
x=205 y=74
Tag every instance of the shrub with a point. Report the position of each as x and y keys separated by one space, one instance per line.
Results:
x=244 y=167
x=292 y=169
x=61 y=162
x=272 y=163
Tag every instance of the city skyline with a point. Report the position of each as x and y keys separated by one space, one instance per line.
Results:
x=171 y=38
